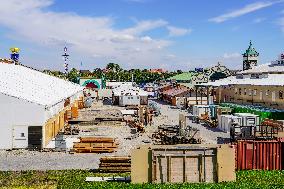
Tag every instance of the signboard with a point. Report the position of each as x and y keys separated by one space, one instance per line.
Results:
x=199 y=69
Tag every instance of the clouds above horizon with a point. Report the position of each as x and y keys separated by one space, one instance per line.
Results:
x=139 y=33
x=249 y=8
x=95 y=36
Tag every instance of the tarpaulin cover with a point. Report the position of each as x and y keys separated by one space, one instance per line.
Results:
x=262 y=112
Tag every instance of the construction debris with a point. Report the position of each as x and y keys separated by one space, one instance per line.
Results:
x=95 y=145
x=106 y=179
x=170 y=135
x=115 y=164
x=139 y=126
x=71 y=130
x=101 y=115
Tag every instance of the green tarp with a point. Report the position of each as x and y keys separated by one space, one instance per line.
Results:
x=262 y=112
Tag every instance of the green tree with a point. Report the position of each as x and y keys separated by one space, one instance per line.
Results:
x=113 y=67
x=73 y=75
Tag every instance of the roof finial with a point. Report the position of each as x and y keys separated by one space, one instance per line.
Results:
x=250 y=44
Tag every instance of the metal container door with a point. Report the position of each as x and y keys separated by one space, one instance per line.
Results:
x=35 y=137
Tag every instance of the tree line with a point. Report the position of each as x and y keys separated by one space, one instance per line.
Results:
x=113 y=72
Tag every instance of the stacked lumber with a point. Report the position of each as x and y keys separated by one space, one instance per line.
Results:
x=115 y=164
x=95 y=145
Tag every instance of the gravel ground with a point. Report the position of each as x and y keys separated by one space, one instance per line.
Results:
x=17 y=160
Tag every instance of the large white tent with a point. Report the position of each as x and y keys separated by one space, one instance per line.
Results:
x=28 y=99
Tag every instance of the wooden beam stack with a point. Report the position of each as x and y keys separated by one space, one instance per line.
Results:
x=115 y=164
x=95 y=145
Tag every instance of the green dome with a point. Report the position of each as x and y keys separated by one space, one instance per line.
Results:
x=250 y=51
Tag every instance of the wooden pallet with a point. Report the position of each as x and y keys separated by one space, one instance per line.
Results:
x=96 y=139
x=115 y=164
x=95 y=145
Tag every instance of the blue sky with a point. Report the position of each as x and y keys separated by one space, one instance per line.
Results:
x=172 y=34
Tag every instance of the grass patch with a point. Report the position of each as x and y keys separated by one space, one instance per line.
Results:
x=76 y=179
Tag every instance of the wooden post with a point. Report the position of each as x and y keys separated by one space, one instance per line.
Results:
x=196 y=101
x=201 y=94
x=207 y=88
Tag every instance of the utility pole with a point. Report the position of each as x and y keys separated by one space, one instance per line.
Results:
x=65 y=57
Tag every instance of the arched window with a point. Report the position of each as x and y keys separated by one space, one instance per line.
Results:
x=280 y=94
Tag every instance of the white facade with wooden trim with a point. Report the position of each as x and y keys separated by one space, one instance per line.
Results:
x=30 y=100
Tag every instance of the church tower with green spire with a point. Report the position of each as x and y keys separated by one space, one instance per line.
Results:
x=250 y=57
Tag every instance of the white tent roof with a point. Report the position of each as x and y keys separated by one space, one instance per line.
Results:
x=271 y=80
x=34 y=86
x=265 y=68
x=129 y=90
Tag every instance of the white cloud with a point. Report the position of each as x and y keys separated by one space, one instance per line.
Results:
x=242 y=11
x=259 y=20
x=170 y=56
x=146 y=39
x=30 y=21
x=146 y=25
x=175 y=31
x=231 y=55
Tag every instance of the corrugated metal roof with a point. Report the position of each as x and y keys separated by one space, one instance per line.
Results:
x=129 y=90
x=182 y=77
x=175 y=91
x=34 y=86
x=271 y=80
x=265 y=68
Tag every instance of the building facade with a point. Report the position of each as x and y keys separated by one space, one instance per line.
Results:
x=262 y=85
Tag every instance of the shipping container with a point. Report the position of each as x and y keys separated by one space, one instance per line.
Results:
x=248 y=119
x=259 y=155
x=225 y=122
x=197 y=110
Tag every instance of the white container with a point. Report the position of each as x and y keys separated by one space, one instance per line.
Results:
x=225 y=122
x=249 y=119
x=197 y=110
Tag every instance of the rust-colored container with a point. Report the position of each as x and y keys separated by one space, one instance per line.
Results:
x=261 y=155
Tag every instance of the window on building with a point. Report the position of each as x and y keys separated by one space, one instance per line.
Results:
x=128 y=97
x=255 y=76
x=280 y=94
x=245 y=91
x=267 y=92
x=236 y=90
x=260 y=95
x=240 y=91
x=249 y=92
x=254 y=92
x=22 y=134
